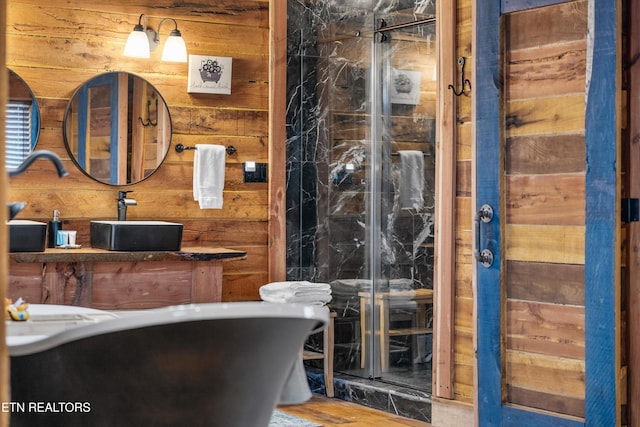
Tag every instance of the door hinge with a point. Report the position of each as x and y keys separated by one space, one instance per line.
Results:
x=382 y=35
x=629 y=210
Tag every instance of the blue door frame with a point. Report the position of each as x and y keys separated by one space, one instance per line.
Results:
x=111 y=80
x=602 y=203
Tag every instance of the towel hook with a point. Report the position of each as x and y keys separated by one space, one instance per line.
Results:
x=148 y=122
x=464 y=82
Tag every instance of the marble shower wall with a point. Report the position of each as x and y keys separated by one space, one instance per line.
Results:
x=329 y=144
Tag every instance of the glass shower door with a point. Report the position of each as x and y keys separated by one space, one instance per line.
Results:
x=401 y=201
x=361 y=163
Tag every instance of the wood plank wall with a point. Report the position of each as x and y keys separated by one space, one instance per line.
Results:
x=545 y=167
x=445 y=240
x=464 y=356
x=631 y=230
x=277 y=131
x=57 y=45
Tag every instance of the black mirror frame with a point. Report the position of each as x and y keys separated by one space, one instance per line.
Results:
x=72 y=156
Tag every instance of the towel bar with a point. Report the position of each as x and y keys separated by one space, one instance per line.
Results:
x=180 y=148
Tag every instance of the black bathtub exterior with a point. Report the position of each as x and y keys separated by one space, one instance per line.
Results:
x=220 y=372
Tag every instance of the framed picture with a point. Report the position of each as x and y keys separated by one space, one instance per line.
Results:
x=209 y=74
x=405 y=87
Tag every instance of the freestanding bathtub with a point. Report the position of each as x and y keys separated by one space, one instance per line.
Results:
x=221 y=364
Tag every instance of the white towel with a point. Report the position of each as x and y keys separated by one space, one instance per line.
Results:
x=320 y=299
x=411 y=179
x=208 y=175
x=296 y=291
x=296 y=287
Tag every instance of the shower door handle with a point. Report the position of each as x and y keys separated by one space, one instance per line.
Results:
x=484 y=256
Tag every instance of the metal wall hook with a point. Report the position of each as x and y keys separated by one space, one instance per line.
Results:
x=148 y=122
x=463 y=82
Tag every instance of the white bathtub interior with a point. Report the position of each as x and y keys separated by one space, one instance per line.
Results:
x=49 y=319
x=50 y=325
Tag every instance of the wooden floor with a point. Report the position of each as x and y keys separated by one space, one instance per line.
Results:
x=335 y=412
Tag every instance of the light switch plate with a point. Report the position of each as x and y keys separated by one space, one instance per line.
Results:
x=258 y=175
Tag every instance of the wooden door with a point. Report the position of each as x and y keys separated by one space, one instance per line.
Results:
x=546 y=197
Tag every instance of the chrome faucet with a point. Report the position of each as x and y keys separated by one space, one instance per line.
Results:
x=16 y=207
x=123 y=202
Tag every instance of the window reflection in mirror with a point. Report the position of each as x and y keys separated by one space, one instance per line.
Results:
x=117 y=128
x=22 y=122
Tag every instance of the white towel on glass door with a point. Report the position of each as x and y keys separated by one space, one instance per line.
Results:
x=411 y=179
x=208 y=175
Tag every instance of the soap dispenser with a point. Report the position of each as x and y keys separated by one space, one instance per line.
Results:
x=55 y=225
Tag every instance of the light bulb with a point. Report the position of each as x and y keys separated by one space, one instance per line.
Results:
x=137 y=44
x=175 y=49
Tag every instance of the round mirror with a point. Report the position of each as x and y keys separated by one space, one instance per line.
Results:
x=117 y=128
x=22 y=122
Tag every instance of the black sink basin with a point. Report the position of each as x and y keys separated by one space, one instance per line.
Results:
x=136 y=235
x=27 y=236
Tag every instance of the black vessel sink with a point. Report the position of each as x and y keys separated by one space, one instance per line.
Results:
x=27 y=236
x=136 y=235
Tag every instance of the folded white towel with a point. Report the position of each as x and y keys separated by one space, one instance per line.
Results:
x=411 y=179
x=319 y=299
x=296 y=291
x=296 y=287
x=208 y=175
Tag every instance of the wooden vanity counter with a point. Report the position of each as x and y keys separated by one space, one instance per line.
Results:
x=113 y=280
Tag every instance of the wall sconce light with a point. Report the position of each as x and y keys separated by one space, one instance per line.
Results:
x=143 y=40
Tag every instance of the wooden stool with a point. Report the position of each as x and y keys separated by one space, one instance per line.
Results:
x=327 y=354
x=384 y=301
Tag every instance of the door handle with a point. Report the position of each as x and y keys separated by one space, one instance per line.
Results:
x=485 y=256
